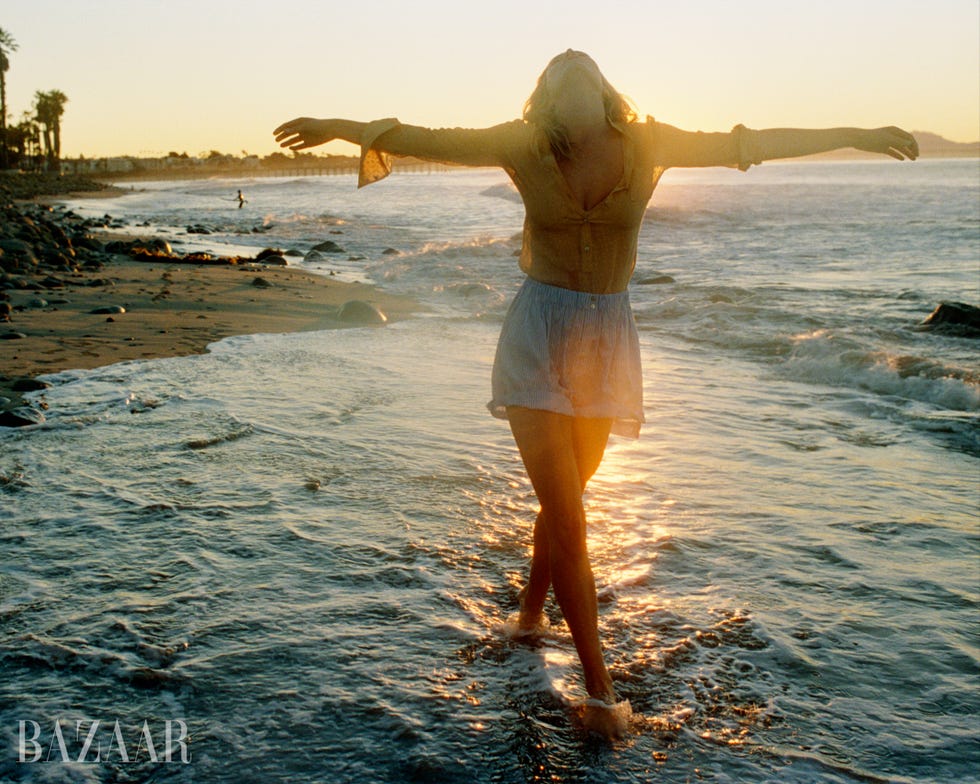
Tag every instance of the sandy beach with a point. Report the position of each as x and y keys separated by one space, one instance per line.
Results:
x=170 y=309
x=119 y=308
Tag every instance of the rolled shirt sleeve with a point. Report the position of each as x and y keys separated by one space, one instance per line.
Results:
x=675 y=147
x=462 y=146
x=746 y=147
x=375 y=165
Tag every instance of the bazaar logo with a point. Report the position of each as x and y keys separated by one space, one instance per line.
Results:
x=95 y=741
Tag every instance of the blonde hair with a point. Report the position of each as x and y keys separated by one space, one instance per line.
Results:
x=539 y=108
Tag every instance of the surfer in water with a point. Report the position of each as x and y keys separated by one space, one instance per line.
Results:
x=567 y=368
x=240 y=198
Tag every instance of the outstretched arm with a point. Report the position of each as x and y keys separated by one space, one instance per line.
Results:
x=463 y=146
x=794 y=142
x=744 y=147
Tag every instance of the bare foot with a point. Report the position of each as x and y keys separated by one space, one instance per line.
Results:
x=517 y=628
x=609 y=720
x=528 y=623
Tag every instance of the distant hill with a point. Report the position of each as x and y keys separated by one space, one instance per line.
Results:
x=931 y=145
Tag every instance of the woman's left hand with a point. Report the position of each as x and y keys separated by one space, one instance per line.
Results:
x=891 y=141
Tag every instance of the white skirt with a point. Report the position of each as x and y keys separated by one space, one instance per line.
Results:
x=570 y=352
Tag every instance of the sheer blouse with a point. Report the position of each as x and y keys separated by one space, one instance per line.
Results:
x=564 y=244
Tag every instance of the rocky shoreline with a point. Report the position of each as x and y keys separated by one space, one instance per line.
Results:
x=71 y=298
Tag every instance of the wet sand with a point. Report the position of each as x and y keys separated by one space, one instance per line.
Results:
x=170 y=309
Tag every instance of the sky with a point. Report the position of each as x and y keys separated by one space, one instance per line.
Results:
x=146 y=77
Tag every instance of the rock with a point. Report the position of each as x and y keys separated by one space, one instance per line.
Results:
x=17 y=254
x=470 y=289
x=314 y=256
x=276 y=261
x=197 y=229
x=5 y=311
x=56 y=233
x=391 y=252
x=21 y=417
x=108 y=309
x=53 y=254
x=954 y=318
x=86 y=241
x=151 y=249
x=656 y=280
x=357 y=311
x=262 y=255
x=37 y=302
x=158 y=245
x=293 y=252
x=12 y=336
x=328 y=247
x=118 y=246
x=29 y=385
x=15 y=247
x=261 y=283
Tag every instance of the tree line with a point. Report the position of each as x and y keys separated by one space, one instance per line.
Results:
x=34 y=142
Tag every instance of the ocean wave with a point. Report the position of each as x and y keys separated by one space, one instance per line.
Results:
x=502 y=191
x=822 y=357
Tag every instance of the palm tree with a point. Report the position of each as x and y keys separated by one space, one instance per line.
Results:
x=24 y=140
x=49 y=107
x=7 y=44
x=42 y=113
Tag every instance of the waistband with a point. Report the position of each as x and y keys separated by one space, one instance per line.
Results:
x=572 y=298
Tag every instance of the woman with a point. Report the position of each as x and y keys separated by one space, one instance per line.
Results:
x=567 y=370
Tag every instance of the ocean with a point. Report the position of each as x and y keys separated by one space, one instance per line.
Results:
x=295 y=554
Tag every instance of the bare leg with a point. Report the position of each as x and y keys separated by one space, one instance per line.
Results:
x=539 y=581
x=589 y=438
x=560 y=454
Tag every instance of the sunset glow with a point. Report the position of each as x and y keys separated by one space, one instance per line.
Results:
x=146 y=78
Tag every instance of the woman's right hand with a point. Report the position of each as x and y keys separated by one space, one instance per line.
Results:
x=304 y=132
